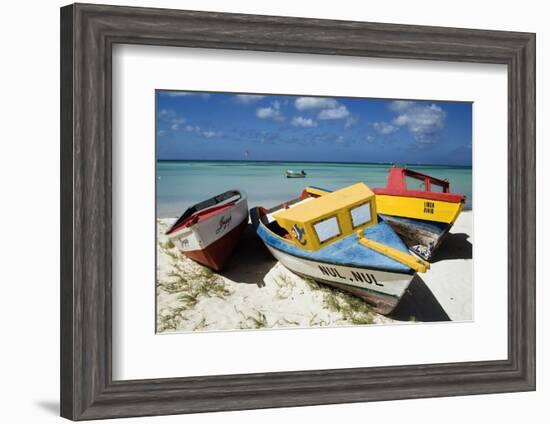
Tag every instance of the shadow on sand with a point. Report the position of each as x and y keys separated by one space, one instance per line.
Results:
x=250 y=262
x=419 y=303
x=455 y=246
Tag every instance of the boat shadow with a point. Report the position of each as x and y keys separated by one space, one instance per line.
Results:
x=250 y=262
x=418 y=303
x=455 y=246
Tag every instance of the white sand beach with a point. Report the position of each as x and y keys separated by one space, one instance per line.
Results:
x=255 y=291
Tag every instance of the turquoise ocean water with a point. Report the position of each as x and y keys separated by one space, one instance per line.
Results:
x=181 y=184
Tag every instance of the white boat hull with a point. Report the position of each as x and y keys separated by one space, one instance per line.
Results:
x=211 y=238
x=201 y=235
x=382 y=289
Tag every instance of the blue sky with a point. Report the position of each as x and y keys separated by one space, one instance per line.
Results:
x=228 y=126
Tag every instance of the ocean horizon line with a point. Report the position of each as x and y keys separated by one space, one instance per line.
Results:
x=316 y=162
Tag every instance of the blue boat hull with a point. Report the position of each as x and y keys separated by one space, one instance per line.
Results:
x=346 y=264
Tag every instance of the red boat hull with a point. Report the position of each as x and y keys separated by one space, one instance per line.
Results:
x=217 y=253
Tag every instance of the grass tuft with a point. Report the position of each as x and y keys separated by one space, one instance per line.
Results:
x=314 y=321
x=285 y=287
x=312 y=284
x=192 y=285
x=352 y=308
x=283 y=321
x=172 y=319
x=253 y=321
x=189 y=285
x=167 y=245
x=200 y=325
x=175 y=256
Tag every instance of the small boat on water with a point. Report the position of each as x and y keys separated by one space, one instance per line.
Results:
x=295 y=174
x=209 y=231
x=335 y=238
x=421 y=215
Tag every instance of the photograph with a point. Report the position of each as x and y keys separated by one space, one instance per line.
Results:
x=279 y=211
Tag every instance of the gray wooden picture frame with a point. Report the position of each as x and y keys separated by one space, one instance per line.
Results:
x=88 y=33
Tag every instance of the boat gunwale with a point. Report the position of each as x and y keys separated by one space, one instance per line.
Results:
x=214 y=210
x=429 y=195
x=396 y=185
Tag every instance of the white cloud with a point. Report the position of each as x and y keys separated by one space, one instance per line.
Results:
x=166 y=114
x=176 y=122
x=401 y=105
x=266 y=112
x=209 y=134
x=328 y=108
x=339 y=112
x=203 y=133
x=351 y=121
x=309 y=103
x=171 y=118
x=300 y=121
x=271 y=112
x=247 y=99
x=423 y=121
x=384 y=128
x=186 y=93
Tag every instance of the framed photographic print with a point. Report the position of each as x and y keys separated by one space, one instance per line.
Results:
x=293 y=161
x=263 y=212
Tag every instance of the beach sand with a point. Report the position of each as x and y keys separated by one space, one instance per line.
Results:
x=255 y=291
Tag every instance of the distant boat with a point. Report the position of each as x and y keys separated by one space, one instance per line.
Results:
x=335 y=238
x=422 y=217
x=209 y=231
x=295 y=174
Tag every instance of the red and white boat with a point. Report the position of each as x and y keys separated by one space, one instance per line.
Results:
x=209 y=231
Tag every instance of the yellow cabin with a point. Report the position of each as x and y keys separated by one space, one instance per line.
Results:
x=316 y=222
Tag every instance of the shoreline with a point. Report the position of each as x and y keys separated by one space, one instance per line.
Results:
x=257 y=292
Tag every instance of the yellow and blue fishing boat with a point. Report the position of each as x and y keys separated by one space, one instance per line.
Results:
x=335 y=238
x=421 y=212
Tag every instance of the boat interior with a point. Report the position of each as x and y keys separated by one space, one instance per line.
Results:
x=418 y=181
x=229 y=196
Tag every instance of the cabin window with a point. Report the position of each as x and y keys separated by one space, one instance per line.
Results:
x=360 y=215
x=327 y=229
x=414 y=183
x=436 y=188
